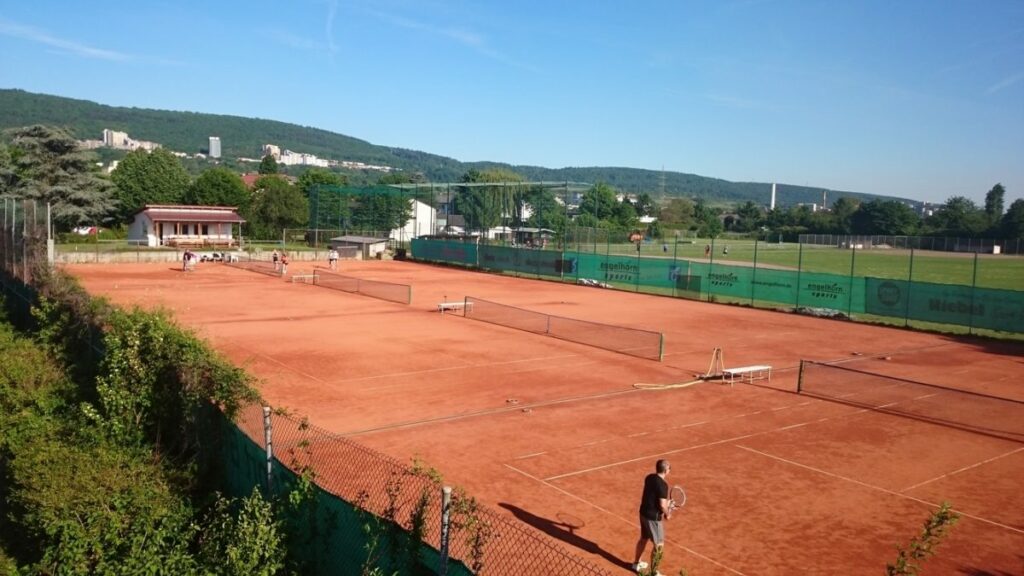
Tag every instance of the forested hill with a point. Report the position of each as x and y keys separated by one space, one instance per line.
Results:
x=189 y=132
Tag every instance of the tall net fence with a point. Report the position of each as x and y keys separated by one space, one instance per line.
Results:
x=372 y=510
x=393 y=292
x=23 y=237
x=622 y=339
x=967 y=293
x=980 y=413
x=934 y=243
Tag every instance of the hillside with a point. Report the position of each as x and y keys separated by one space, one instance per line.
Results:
x=188 y=132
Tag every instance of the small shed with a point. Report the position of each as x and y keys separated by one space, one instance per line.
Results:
x=191 y=226
x=367 y=246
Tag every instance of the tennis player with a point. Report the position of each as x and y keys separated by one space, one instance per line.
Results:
x=654 y=511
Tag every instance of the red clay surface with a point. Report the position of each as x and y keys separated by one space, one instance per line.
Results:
x=548 y=430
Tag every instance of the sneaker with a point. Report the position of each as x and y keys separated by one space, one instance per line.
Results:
x=639 y=566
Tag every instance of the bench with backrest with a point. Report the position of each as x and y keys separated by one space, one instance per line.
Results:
x=747 y=373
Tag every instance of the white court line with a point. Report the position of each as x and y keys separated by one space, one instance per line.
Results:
x=525 y=456
x=705 y=445
x=877 y=488
x=617 y=517
x=964 y=469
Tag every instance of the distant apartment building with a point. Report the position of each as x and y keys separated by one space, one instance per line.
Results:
x=121 y=141
x=289 y=158
x=214 y=147
x=272 y=150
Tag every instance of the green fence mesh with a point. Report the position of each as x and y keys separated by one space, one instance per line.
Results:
x=902 y=286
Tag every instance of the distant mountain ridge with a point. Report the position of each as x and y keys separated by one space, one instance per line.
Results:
x=244 y=137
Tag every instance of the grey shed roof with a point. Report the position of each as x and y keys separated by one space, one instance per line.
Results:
x=359 y=239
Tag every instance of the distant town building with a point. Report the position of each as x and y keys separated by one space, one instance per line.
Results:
x=272 y=150
x=121 y=141
x=214 y=147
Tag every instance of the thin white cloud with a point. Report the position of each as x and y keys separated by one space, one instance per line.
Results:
x=1005 y=82
x=291 y=40
x=467 y=38
x=736 y=102
x=332 y=11
x=15 y=30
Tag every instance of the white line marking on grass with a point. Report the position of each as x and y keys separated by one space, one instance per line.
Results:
x=617 y=517
x=964 y=469
x=876 y=488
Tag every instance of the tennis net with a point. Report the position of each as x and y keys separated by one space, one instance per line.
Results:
x=262 y=266
x=400 y=293
x=632 y=341
x=972 y=411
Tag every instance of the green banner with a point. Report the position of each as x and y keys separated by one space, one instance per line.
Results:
x=946 y=304
x=445 y=251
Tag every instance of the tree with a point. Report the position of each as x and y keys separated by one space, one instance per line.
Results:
x=144 y=177
x=483 y=207
x=750 y=216
x=994 y=204
x=276 y=205
x=381 y=211
x=268 y=165
x=1012 y=226
x=843 y=210
x=319 y=177
x=959 y=216
x=599 y=201
x=48 y=166
x=218 y=187
x=677 y=212
x=546 y=212
x=644 y=205
x=624 y=215
x=886 y=217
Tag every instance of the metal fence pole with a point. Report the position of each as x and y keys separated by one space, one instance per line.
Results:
x=910 y=285
x=446 y=506
x=268 y=442
x=974 y=287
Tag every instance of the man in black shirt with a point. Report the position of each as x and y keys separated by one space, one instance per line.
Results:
x=653 y=512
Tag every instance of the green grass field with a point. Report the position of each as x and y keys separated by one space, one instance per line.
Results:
x=994 y=271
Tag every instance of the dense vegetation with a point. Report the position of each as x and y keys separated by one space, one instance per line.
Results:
x=105 y=447
x=244 y=137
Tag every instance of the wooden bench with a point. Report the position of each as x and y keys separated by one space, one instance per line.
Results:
x=443 y=307
x=304 y=278
x=748 y=373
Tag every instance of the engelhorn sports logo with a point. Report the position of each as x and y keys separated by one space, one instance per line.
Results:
x=889 y=293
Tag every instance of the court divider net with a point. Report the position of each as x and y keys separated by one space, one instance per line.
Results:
x=400 y=293
x=966 y=410
x=632 y=341
x=255 y=265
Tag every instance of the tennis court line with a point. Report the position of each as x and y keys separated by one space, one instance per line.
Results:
x=485 y=412
x=617 y=517
x=699 y=446
x=877 y=488
x=964 y=469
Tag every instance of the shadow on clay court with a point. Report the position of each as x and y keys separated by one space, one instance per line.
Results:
x=564 y=531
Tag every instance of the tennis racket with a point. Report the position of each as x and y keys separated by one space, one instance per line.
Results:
x=676 y=498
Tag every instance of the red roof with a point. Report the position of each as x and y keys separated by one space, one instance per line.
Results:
x=192 y=214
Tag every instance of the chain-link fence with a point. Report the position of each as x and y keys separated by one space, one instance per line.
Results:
x=934 y=243
x=371 y=511
x=929 y=289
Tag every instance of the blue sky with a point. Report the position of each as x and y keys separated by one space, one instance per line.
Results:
x=920 y=99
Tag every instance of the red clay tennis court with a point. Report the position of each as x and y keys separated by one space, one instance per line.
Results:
x=556 y=434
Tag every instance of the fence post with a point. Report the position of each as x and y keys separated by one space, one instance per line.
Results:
x=446 y=505
x=753 y=280
x=974 y=287
x=268 y=442
x=910 y=288
x=799 y=271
